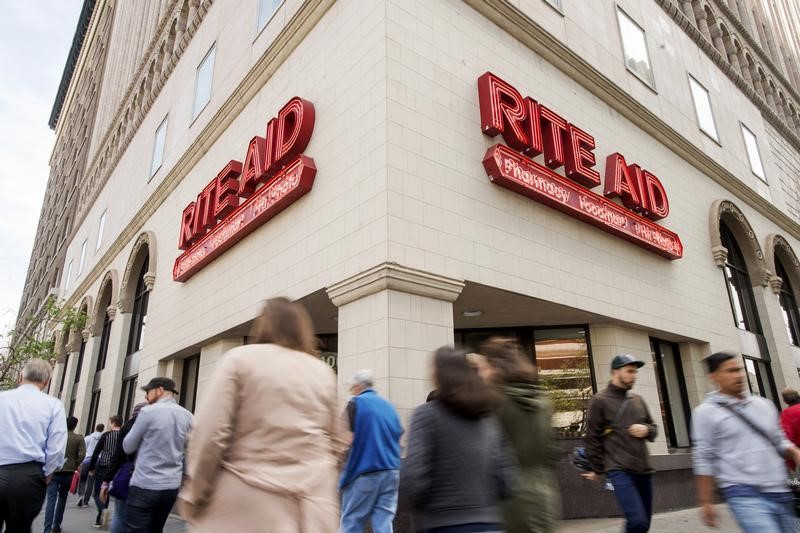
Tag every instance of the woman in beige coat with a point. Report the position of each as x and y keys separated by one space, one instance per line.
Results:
x=267 y=437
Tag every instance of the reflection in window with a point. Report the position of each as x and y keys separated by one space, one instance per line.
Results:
x=753 y=155
x=634 y=45
x=702 y=108
x=791 y=316
x=266 y=8
x=562 y=357
x=737 y=280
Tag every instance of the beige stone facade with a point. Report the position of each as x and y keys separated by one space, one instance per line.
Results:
x=403 y=236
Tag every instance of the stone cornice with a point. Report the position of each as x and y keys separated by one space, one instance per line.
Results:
x=535 y=37
x=395 y=277
x=284 y=44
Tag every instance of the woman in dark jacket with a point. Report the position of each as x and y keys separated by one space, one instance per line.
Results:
x=525 y=414
x=458 y=468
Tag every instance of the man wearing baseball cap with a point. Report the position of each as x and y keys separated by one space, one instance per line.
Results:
x=158 y=438
x=618 y=424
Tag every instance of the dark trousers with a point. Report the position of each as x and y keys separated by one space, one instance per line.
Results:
x=98 y=483
x=146 y=511
x=86 y=486
x=57 y=491
x=634 y=493
x=22 y=491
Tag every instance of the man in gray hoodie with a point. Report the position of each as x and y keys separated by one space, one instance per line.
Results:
x=739 y=443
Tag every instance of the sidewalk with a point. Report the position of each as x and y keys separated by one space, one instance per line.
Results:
x=684 y=521
x=80 y=520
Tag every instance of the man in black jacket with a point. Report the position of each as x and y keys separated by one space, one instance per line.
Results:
x=618 y=424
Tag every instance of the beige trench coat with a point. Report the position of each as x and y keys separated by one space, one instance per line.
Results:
x=265 y=446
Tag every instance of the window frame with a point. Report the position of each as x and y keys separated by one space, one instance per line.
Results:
x=715 y=137
x=186 y=379
x=101 y=226
x=127 y=394
x=67 y=278
x=163 y=126
x=83 y=257
x=105 y=336
x=786 y=298
x=195 y=111
x=259 y=4
x=139 y=312
x=94 y=405
x=749 y=309
x=650 y=83
x=661 y=377
x=745 y=130
x=558 y=5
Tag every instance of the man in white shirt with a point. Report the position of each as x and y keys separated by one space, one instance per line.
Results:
x=32 y=444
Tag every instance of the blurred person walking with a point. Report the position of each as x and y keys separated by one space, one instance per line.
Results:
x=618 y=425
x=739 y=445
x=117 y=477
x=58 y=488
x=32 y=443
x=86 y=485
x=526 y=416
x=158 y=438
x=269 y=434
x=101 y=458
x=371 y=477
x=458 y=466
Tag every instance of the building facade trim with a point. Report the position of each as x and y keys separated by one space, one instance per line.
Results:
x=393 y=276
x=777 y=245
x=730 y=212
x=145 y=241
x=98 y=314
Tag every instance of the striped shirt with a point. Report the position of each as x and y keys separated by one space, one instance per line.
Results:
x=104 y=451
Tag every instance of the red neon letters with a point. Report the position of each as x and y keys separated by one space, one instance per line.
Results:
x=532 y=129
x=274 y=174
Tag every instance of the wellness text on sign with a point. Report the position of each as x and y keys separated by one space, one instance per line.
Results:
x=530 y=129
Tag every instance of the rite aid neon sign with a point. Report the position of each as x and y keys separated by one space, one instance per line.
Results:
x=241 y=197
x=530 y=129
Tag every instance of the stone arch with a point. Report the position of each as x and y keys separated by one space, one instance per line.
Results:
x=143 y=248
x=105 y=299
x=87 y=306
x=728 y=212
x=778 y=246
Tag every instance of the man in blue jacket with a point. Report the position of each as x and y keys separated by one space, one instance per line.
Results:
x=371 y=476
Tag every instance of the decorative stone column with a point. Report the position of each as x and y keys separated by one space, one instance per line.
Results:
x=391 y=319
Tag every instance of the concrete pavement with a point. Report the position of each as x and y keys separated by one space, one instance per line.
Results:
x=684 y=521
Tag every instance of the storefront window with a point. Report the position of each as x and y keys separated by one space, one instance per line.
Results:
x=126 y=396
x=673 y=400
x=328 y=350
x=759 y=379
x=191 y=371
x=791 y=316
x=740 y=290
x=562 y=357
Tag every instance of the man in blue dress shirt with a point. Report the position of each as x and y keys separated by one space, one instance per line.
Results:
x=33 y=437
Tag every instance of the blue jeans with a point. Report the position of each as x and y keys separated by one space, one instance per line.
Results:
x=57 y=492
x=634 y=493
x=370 y=495
x=118 y=521
x=756 y=514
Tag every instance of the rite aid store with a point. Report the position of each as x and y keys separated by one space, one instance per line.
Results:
x=424 y=173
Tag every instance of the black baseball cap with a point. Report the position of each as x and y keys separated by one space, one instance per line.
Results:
x=624 y=360
x=165 y=383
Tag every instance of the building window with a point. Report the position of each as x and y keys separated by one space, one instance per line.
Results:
x=191 y=370
x=101 y=226
x=104 y=337
x=63 y=375
x=83 y=257
x=127 y=395
x=80 y=365
x=329 y=350
x=672 y=396
x=791 y=316
x=558 y=4
x=753 y=155
x=139 y=315
x=93 y=406
x=634 y=46
x=740 y=291
x=266 y=8
x=158 y=147
x=68 y=277
x=759 y=379
x=202 y=83
x=702 y=108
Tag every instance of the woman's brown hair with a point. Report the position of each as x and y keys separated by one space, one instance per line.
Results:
x=458 y=385
x=505 y=357
x=286 y=324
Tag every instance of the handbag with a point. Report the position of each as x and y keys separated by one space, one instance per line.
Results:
x=121 y=481
x=579 y=459
x=76 y=480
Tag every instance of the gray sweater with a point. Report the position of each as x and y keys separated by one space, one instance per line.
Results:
x=457 y=469
x=728 y=449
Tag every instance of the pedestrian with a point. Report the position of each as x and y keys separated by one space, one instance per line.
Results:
x=371 y=475
x=158 y=438
x=790 y=419
x=116 y=478
x=86 y=485
x=525 y=415
x=458 y=466
x=101 y=458
x=739 y=445
x=269 y=434
x=33 y=437
x=618 y=423
x=58 y=488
